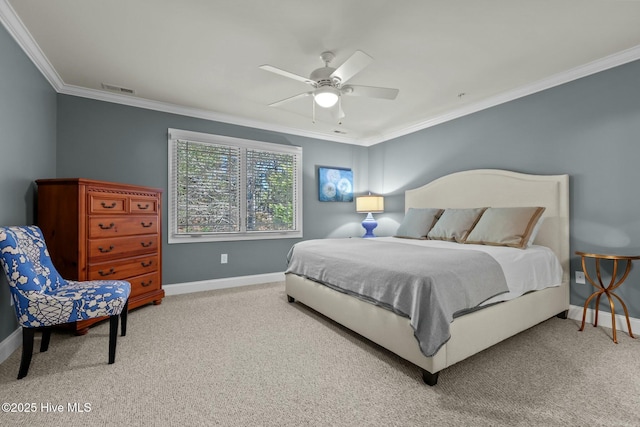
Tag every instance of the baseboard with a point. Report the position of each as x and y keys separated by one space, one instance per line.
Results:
x=10 y=344
x=229 y=282
x=604 y=319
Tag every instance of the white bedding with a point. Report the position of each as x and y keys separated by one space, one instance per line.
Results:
x=531 y=269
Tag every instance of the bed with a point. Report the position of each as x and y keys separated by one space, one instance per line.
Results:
x=479 y=329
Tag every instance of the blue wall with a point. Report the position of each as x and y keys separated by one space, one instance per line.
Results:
x=100 y=140
x=27 y=146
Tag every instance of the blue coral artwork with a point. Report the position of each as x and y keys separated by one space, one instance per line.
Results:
x=335 y=185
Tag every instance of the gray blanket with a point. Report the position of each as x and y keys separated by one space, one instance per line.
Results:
x=427 y=285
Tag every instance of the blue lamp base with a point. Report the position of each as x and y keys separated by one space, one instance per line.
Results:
x=369 y=224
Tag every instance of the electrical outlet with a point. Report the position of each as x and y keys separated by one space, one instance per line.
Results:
x=580 y=277
x=223 y=258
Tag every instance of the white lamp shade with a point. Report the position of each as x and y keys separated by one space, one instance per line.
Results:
x=369 y=203
x=326 y=96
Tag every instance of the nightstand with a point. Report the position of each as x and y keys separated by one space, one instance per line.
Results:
x=608 y=291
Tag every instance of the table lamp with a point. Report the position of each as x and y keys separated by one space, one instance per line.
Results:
x=369 y=204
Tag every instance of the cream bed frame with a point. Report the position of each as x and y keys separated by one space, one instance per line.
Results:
x=481 y=329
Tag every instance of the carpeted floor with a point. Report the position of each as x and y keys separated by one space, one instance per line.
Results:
x=246 y=357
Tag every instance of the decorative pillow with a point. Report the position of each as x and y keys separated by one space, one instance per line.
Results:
x=534 y=233
x=506 y=226
x=417 y=223
x=455 y=224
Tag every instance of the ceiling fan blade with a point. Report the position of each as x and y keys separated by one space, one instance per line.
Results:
x=291 y=98
x=371 y=91
x=287 y=74
x=352 y=66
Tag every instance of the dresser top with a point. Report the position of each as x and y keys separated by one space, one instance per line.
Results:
x=96 y=183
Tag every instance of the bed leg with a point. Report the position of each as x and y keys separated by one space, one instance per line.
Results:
x=291 y=299
x=563 y=315
x=429 y=378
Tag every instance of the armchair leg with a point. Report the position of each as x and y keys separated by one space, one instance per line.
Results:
x=113 y=336
x=27 y=351
x=123 y=319
x=46 y=337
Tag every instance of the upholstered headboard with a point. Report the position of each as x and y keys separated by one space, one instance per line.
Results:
x=500 y=188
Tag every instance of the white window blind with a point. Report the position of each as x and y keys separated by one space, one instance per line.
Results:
x=223 y=188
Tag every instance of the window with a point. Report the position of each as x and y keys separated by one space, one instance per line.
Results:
x=223 y=188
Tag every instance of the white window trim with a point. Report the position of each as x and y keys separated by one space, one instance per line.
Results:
x=176 y=134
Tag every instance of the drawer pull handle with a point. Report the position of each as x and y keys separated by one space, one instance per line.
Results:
x=145 y=264
x=143 y=207
x=146 y=245
x=146 y=225
x=111 y=206
x=104 y=251
x=106 y=227
x=144 y=285
x=108 y=273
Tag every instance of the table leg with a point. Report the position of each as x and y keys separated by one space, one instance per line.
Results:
x=598 y=293
x=626 y=313
x=586 y=306
x=595 y=321
x=613 y=317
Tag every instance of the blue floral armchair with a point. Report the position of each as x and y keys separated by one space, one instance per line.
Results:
x=42 y=298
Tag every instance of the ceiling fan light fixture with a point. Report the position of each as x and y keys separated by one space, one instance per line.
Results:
x=326 y=96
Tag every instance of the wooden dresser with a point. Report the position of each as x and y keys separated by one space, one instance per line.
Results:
x=103 y=230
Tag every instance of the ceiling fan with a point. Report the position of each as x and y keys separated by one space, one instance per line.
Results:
x=329 y=84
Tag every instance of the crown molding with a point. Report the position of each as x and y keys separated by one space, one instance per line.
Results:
x=165 y=107
x=611 y=61
x=18 y=31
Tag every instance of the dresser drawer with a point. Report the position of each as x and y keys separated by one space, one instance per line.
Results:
x=144 y=284
x=122 y=270
x=103 y=249
x=142 y=205
x=107 y=203
x=114 y=226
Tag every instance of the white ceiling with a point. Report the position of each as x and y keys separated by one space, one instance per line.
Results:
x=201 y=57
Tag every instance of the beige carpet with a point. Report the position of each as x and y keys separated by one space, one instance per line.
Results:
x=246 y=357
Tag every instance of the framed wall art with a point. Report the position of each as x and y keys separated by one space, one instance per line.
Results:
x=335 y=184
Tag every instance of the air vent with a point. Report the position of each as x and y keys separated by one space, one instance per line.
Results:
x=118 y=89
x=339 y=131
